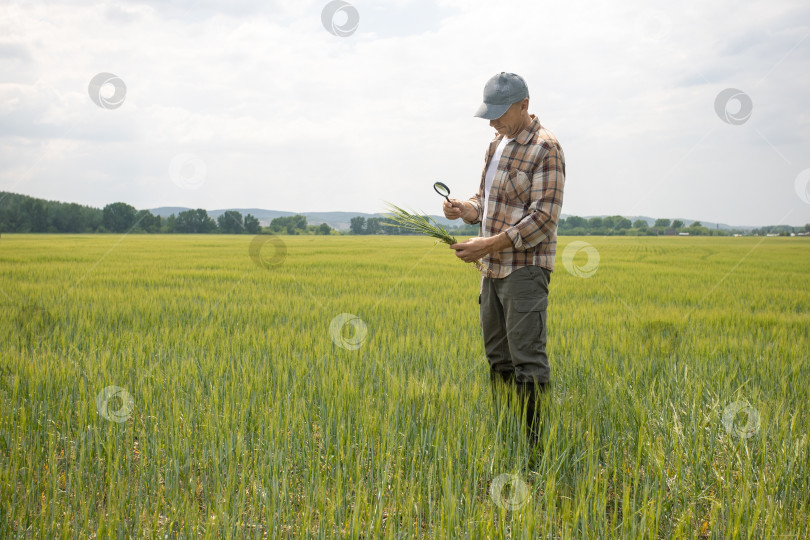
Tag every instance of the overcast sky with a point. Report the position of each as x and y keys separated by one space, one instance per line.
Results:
x=258 y=104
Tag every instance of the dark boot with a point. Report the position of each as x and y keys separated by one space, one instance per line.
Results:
x=530 y=394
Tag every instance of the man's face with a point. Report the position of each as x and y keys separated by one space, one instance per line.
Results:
x=511 y=122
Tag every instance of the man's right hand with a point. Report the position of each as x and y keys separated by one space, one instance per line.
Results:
x=454 y=209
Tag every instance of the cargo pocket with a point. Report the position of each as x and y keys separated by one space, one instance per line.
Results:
x=528 y=324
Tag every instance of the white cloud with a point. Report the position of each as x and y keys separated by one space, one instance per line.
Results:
x=290 y=117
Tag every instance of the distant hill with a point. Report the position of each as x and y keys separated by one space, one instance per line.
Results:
x=336 y=220
x=340 y=220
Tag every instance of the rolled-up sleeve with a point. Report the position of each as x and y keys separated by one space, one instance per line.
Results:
x=548 y=182
x=476 y=202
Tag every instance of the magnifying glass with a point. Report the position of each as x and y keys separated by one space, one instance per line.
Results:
x=442 y=190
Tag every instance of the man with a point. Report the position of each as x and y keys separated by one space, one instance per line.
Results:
x=517 y=204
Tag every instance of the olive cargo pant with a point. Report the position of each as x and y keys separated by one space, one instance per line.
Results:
x=513 y=321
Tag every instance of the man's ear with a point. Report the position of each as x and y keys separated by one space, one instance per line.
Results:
x=524 y=105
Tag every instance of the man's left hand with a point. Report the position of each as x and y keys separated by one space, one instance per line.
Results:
x=476 y=248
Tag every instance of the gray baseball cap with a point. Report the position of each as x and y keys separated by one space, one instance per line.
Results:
x=499 y=93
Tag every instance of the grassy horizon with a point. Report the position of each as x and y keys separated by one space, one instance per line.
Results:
x=320 y=386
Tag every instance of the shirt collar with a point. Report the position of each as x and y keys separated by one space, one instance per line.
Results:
x=528 y=132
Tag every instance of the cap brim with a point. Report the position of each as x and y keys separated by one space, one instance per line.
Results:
x=489 y=111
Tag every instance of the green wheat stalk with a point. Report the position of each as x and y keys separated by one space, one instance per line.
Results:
x=420 y=224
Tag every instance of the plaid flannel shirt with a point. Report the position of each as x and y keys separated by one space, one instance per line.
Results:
x=525 y=200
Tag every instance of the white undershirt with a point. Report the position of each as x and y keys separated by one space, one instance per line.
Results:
x=490 y=176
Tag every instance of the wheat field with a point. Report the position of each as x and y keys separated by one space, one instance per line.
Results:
x=318 y=387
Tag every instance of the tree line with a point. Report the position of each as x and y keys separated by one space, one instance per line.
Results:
x=24 y=214
x=595 y=226
x=622 y=226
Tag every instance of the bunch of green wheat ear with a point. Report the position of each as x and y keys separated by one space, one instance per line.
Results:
x=421 y=224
